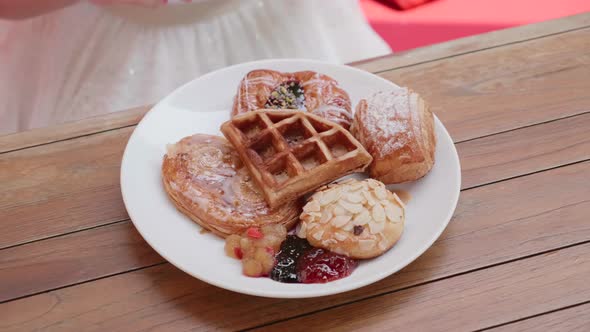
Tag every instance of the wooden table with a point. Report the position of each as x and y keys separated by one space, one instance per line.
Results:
x=516 y=255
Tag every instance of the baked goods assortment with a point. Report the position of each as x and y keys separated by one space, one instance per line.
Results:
x=288 y=141
x=290 y=153
x=397 y=128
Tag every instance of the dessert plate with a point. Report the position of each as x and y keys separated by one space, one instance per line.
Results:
x=201 y=106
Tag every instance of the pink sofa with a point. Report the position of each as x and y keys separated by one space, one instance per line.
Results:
x=406 y=24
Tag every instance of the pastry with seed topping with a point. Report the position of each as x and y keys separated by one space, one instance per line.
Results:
x=359 y=219
x=303 y=90
x=397 y=129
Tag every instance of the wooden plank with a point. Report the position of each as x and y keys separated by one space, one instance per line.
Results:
x=73 y=129
x=31 y=188
x=474 y=43
x=73 y=258
x=571 y=319
x=61 y=187
x=505 y=88
x=164 y=297
x=523 y=151
x=468 y=302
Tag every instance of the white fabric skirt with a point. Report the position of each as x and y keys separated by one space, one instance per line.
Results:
x=87 y=60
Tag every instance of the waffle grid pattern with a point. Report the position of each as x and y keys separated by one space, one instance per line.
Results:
x=290 y=153
x=290 y=145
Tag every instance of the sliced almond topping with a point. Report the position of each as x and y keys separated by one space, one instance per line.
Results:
x=378 y=213
x=315 y=215
x=326 y=216
x=382 y=244
x=330 y=196
x=312 y=206
x=340 y=236
x=362 y=218
x=381 y=193
x=348 y=227
x=306 y=217
x=356 y=186
x=372 y=183
x=328 y=242
x=318 y=235
x=376 y=227
x=339 y=211
x=354 y=198
x=351 y=207
x=302 y=232
x=370 y=200
x=394 y=213
x=340 y=221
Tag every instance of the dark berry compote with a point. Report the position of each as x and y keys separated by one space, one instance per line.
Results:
x=299 y=262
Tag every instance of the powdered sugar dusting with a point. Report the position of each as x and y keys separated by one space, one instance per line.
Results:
x=334 y=113
x=391 y=120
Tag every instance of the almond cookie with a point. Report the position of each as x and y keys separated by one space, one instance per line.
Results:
x=359 y=219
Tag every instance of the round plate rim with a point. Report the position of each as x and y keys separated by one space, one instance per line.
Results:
x=328 y=291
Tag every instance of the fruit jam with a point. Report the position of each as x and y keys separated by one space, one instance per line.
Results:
x=299 y=262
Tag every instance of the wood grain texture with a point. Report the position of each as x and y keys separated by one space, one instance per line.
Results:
x=164 y=297
x=483 y=160
x=61 y=187
x=467 y=302
x=60 y=177
x=524 y=151
x=474 y=43
x=574 y=319
x=72 y=258
x=70 y=130
x=505 y=88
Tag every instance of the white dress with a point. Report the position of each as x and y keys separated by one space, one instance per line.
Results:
x=87 y=60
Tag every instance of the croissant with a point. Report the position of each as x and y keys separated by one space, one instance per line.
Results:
x=397 y=129
x=205 y=179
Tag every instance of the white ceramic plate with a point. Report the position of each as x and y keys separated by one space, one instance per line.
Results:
x=200 y=107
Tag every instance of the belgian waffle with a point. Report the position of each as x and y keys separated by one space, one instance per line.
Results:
x=290 y=153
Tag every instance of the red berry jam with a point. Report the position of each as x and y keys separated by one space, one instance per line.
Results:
x=320 y=266
x=299 y=262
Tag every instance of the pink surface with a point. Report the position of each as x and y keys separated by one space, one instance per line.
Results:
x=443 y=20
